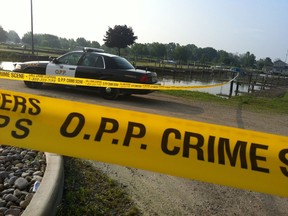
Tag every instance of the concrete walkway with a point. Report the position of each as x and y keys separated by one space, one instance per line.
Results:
x=48 y=196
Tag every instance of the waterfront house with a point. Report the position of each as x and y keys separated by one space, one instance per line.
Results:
x=280 y=67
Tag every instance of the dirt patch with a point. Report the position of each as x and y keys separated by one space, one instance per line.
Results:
x=157 y=194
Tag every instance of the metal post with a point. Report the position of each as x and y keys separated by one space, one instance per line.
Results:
x=32 y=36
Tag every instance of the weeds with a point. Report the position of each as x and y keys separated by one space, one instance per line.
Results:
x=277 y=104
x=88 y=191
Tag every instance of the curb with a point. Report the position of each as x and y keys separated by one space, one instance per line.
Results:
x=48 y=196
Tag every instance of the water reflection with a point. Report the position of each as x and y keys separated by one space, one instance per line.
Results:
x=7 y=66
x=196 y=79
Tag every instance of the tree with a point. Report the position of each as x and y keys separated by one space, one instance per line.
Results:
x=248 y=59
x=181 y=54
x=13 y=37
x=224 y=58
x=170 y=50
x=268 y=62
x=208 y=54
x=42 y=40
x=140 y=49
x=26 y=39
x=3 y=35
x=72 y=44
x=191 y=52
x=64 y=43
x=158 y=50
x=48 y=40
x=119 y=37
x=82 y=42
x=95 y=44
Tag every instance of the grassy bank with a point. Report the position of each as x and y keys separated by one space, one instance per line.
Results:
x=263 y=102
x=88 y=191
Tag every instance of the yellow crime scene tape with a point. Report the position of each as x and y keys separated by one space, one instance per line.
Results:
x=97 y=83
x=218 y=154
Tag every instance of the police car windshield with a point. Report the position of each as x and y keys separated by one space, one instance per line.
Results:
x=119 y=63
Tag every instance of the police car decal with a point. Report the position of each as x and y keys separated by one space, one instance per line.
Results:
x=60 y=70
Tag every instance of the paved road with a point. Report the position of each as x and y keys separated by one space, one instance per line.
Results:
x=158 y=194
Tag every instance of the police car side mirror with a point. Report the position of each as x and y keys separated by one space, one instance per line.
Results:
x=53 y=60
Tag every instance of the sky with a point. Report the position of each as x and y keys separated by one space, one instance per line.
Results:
x=236 y=26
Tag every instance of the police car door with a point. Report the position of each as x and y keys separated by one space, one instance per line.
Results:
x=91 y=66
x=66 y=65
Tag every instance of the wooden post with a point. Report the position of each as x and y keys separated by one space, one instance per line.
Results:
x=253 y=86
x=249 y=83
x=237 y=88
x=231 y=89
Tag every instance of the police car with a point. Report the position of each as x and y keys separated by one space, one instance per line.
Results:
x=91 y=63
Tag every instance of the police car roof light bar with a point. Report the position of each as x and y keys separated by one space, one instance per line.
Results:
x=91 y=49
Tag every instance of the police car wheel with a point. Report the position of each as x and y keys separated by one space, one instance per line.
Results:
x=33 y=85
x=110 y=93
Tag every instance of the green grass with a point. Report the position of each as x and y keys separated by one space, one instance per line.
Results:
x=248 y=101
x=195 y=95
x=274 y=105
x=88 y=191
x=285 y=97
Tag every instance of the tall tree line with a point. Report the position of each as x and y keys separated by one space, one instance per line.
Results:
x=45 y=40
x=188 y=54
x=52 y=41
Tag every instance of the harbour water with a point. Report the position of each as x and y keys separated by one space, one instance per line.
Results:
x=204 y=80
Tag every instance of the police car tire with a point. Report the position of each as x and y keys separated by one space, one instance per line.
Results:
x=33 y=85
x=109 y=94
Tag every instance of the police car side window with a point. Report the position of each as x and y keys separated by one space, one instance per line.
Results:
x=99 y=62
x=88 y=60
x=70 y=58
x=92 y=60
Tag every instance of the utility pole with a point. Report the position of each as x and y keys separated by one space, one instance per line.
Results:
x=32 y=35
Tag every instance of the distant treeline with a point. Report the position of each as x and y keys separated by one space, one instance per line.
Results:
x=171 y=52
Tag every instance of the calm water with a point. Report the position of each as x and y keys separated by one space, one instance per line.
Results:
x=6 y=65
x=203 y=79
